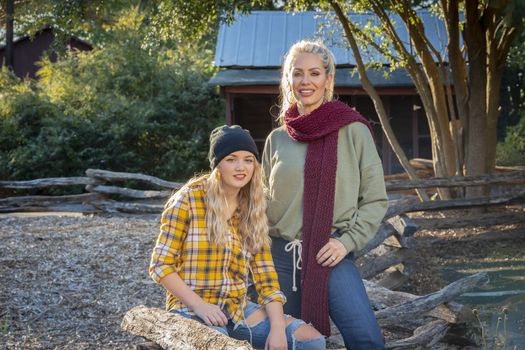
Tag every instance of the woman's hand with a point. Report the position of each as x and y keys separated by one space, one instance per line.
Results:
x=276 y=339
x=211 y=314
x=332 y=253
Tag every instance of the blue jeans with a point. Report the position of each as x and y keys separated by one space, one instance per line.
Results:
x=257 y=333
x=347 y=299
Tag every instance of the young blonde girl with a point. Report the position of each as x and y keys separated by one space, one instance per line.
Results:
x=213 y=235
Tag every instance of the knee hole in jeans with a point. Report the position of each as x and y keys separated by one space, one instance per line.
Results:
x=304 y=331
x=255 y=318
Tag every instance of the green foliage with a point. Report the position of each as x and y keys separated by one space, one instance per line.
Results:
x=189 y=27
x=122 y=107
x=513 y=84
x=512 y=150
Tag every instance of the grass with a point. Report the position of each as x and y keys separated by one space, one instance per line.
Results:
x=498 y=339
x=4 y=325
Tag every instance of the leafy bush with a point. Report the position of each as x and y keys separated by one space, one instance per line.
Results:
x=22 y=116
x=512 y=150
x=119 y=107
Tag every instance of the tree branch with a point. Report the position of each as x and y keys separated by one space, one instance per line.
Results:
x=380 y=109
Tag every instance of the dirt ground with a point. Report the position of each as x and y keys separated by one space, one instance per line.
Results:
x=66 y=281
x=480 y=241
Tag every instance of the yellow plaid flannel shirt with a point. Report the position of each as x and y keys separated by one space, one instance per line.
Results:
x=217 y=273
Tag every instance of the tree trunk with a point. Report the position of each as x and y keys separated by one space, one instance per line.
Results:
x=428 y=84
x=462 y=145
x=476 y=133
x=458 y=72
x=444 y=146
x=9 y=19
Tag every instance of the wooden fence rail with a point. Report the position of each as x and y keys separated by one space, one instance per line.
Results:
x=516 y=177
x=48 y=182
x=111 y=176
x=97 y=181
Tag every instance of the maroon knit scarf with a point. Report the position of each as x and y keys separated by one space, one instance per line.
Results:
x=320 y=130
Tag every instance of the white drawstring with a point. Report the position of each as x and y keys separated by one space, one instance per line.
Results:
x=296 y=248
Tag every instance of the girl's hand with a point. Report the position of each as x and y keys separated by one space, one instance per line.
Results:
x=276 y=339
x=211 y=314
x=332 y=253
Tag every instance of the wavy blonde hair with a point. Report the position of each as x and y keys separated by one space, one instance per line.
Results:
x=253 y=225
x=316 y=47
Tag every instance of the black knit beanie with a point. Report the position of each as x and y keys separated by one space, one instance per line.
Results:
x=228 y=139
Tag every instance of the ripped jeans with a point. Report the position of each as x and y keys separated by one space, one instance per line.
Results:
x=257 y=333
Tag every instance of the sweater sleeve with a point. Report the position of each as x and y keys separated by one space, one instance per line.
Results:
x=372 y=199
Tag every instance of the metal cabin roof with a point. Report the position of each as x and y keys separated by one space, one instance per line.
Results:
x=262 y=38
x=344 y=77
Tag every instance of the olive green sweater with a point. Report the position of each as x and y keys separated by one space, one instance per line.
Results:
x=360 y=196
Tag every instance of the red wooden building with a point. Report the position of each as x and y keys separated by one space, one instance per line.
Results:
x=27 y=51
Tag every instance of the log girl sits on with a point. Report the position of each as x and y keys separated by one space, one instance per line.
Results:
x=213 y=233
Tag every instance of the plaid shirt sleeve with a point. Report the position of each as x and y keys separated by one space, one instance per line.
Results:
x=265 y=278
x=165 y=258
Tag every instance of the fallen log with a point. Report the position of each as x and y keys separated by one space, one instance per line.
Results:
x=128 y=192
x=428 y=334
x=48 y=182
x=111 y=176
x=393 y=279
x=384 y=231
x=405 y=229
x=382 y=298
x=175 y=332
x=417 y=307
x=402 y=225
x=377 y=264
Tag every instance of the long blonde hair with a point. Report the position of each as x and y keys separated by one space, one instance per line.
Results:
x=316 y=47
x=252 y=226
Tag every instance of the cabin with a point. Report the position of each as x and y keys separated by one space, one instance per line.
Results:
x=28 y=50
x=249 y=55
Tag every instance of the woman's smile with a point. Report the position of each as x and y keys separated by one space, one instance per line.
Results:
x=309 y=82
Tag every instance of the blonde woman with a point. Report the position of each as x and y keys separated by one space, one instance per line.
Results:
x=213 y=234
x=327 y=198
